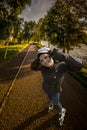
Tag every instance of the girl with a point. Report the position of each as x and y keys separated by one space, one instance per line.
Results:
x=53 y=66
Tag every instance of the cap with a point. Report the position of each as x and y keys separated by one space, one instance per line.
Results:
x=43 y=50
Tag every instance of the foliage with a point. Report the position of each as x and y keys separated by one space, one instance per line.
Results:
x=9 y=10
x=79 y=8
x=37 y=36
x=37 y=44
x=63 y=24
x=81 y=77
x=12 y=50
x=28 y=30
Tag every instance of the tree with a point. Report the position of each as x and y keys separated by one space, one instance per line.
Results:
x=29 y=28
x=62 y=25
x=37 y=36
x=79 y=8
x=9 y=10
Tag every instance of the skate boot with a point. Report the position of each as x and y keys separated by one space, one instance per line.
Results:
x=51 y=106
x=62 y=115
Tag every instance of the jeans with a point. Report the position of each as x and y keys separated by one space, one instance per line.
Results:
x=55 y=99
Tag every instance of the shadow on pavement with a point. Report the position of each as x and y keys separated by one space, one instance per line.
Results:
x=53 y=121
x=44 y=125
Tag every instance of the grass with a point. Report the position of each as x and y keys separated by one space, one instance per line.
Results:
x=12 y=51
x=81 y=76
x=38 y=45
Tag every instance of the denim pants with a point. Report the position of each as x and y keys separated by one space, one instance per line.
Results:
x=55 y=99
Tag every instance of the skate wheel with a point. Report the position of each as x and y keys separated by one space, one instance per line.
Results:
x=61 y=122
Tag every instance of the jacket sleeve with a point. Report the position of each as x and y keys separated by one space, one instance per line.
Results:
x=35 y=65
x=58 y=55
x=73 y=63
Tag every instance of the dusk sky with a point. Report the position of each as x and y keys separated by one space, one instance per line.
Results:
x=36 y=10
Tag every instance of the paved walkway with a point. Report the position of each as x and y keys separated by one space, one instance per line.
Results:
x=26 y=105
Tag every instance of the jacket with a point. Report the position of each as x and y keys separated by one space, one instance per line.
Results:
x=53 y=77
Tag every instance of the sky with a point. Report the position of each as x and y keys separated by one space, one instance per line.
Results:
x=38 y=9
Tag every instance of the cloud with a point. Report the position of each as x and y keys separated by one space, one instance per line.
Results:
x=37 y=9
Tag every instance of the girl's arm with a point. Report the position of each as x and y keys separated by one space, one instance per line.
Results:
x=74 y=64
x=35 y=65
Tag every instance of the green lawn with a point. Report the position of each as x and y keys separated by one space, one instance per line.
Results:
x=12 y=51
x=81 y=76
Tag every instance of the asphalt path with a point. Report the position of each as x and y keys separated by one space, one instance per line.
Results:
x=26 y=105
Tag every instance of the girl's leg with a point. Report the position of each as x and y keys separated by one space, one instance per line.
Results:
x=55 y=98
x=46 y=91
x=51 y=106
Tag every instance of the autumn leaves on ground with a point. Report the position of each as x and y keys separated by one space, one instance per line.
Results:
x=26 y=105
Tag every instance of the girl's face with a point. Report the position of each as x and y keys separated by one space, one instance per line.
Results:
x=46 y=60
